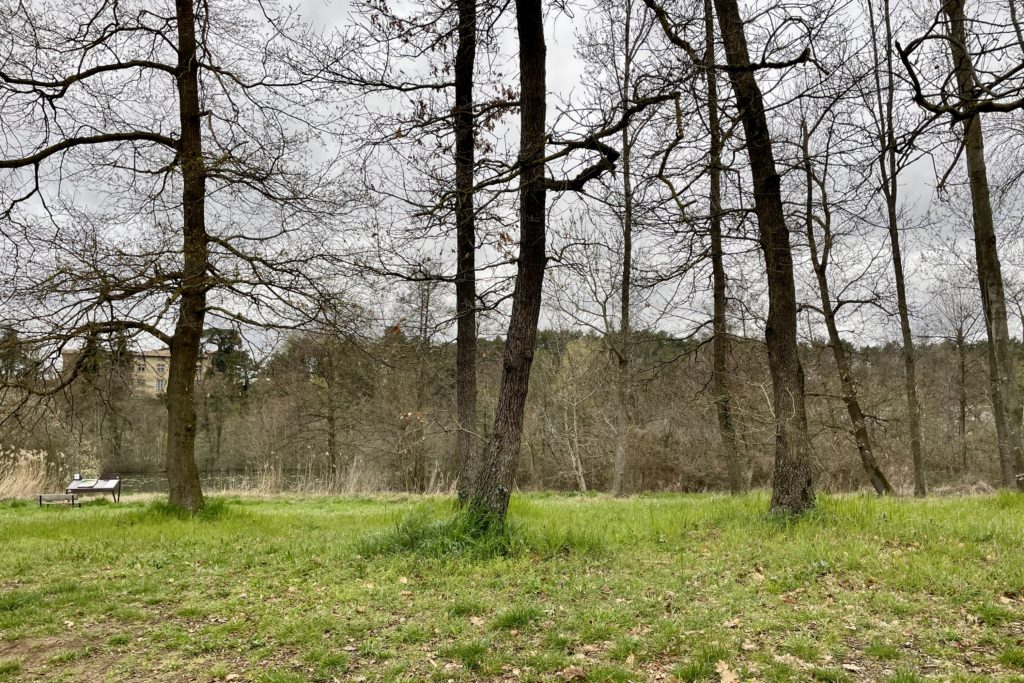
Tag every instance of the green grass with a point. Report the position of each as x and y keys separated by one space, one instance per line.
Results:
x=701 y=665
x=582 y=588
x=8 y=669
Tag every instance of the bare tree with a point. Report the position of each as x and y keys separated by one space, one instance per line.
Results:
x=494 y=482
x=237 y=128
x=890 y=164
x=426 y=109
x=968 y=90
x=720 y=332
x=622 y=349
x=960 y=316
x=621 y=65
x=818 y=217
x=792 y=490
x=465 y=278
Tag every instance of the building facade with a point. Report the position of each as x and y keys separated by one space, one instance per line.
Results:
x=149 y=373
x=150 y=369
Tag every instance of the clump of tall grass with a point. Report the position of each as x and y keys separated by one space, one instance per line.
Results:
x=213 y=509
x=25 y=472
x=269 y=479
x=462 y=534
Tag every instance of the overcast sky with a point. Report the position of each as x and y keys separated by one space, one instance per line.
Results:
x=565 y=72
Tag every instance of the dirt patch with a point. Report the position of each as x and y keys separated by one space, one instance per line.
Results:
x=73 y=651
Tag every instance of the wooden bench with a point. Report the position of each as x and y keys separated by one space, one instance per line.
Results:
x=68 y=499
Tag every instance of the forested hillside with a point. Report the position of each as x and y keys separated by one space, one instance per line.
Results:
x=323 y=414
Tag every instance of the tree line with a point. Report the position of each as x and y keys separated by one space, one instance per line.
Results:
x=323 y=414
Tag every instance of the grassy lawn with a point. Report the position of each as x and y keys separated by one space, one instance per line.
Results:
x=684 y=588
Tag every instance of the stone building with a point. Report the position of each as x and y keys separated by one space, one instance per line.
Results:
x=149 y=374
x=150 y=368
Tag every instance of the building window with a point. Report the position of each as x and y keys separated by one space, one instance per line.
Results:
x=160 y=368
x=160 y=386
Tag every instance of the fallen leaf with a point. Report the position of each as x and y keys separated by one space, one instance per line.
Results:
x=726 y=674
x=573 y=673
x=790 y=660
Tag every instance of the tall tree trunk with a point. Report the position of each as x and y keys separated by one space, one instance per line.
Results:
x=494 y=483
x=990 y=276
x=182 y=473
x=820 y=262
x=534 y=468
x=334 y=474
x=889 y=176
x=218 y=432
x=622 y=399
x=1006 y=467
x=720 y=341
x=961 y=427
x=623 y=350
x=115 y=447
x=792 y=489
x=465 y=278
x=419 y=461
x=572 y=438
